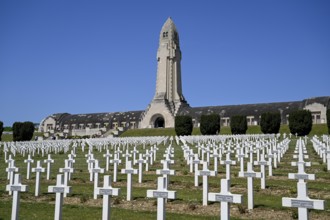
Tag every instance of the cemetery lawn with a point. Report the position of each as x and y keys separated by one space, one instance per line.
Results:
x=188 y=205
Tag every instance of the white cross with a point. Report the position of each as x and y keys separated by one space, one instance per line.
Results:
x=11 y=172
x=140 y=161
x=250 y=174
x=303 y=202
x=38 y=169
x=96 y=170
x=225 y=197
x=9 y=160
x=228 y=162
x=115 y=162
x=28 y=161
x=129 y=171
x=107 y=156
x=66 y=170
x=134 y=152
x=49 y=161
x=16 y=188
x=106 y=191
x=216 y=156
x=166 y=172
x=90 y=162
x=59 y=189
x=196 y=161
x=205 y=173
x=161 y=194
x=262 y=163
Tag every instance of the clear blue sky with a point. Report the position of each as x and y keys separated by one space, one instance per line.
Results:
x=100 y=56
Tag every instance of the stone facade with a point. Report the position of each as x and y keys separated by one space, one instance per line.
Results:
x=169 y=101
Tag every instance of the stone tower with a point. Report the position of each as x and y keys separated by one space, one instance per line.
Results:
x=168 y=98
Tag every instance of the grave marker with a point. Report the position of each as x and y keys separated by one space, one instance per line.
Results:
x=59 y=189
x=106 y=191
x=225 y=197
x=16 y=188
x=161 y=194
x=250 y=174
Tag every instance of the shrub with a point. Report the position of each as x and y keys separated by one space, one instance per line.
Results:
x=1 y=129
x=183 y=125
x=210 y=124
x=270 y=122
x=328 y=120
x=238 y=124
x=300 y=122
x=17 y=131
x=23 y=131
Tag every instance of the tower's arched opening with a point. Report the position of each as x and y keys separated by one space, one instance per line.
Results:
x=159 y=122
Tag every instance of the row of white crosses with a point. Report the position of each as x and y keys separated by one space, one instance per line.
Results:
x=249 y=174
x=302 y=202
x=322 y=149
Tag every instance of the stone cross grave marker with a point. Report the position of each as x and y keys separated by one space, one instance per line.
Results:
x=106 y=191
x=8 y=161
x=140 y=161
x=90 y=161
x=205 y=173
x=48 y=161
x=216 y=157
x=60 y=188
x=129 y=171
x=228 y=162
x=303 y=202
x=161 y=194
x=66 y=170
x=241 y=157
x=196 y=162
x=107 y=156
x=28 y=162
x=16 y=188
x=225 y=197
x=115 y=162
x=71 y=161
x=38 y=169
x=166 y=172
x=96 y=170
x=262 y=163
x=147 y=156
x=134 y=152
x=250 y=174
x=127 y=155
x=11 y=172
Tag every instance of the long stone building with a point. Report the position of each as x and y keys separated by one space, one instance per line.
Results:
x=169 y=101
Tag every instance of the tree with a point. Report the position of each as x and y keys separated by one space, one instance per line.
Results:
x=27 y=131
x=238 y=124
x=300 y=122
x=23 y=131
x=210 y=124
x=183 y=125
x=270 y=122
x=17 y=131
x=328 y=120
x=1 y=129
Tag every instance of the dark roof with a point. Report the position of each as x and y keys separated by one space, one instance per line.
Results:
x=100 y=117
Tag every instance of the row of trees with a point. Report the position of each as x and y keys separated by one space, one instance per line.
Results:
x=22 y=131
x=300 y=123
